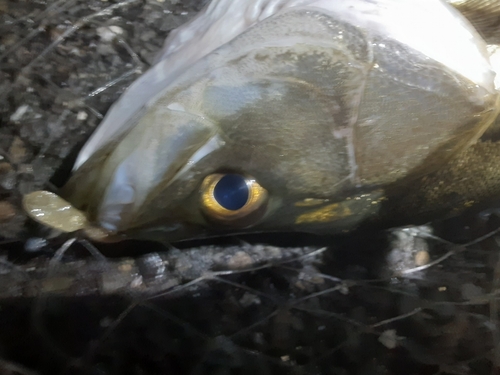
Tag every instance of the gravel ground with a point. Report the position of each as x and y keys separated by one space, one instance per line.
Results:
x=371 y=303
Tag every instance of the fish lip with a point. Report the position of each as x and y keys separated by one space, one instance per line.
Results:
x=167 y=233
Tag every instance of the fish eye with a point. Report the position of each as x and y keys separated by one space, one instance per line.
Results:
x=233 y=199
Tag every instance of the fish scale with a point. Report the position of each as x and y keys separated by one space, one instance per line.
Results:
x=363 y=107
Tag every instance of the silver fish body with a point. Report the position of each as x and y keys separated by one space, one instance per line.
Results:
x=320 y=104
x=484 y=16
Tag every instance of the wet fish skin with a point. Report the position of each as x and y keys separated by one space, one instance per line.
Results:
x=318 y=102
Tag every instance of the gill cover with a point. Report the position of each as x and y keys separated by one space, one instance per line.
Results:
x=319 y=102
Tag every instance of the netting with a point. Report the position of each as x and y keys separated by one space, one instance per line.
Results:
x=401 y=302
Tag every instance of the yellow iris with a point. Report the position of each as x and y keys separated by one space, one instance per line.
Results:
x=248 y=214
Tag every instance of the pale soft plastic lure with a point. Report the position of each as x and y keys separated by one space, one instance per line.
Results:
x=298 y=95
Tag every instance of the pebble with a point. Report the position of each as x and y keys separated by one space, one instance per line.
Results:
x=249 y=299
x=35 y=244
x=17 y=151
x=109 y=33
x=81 y=116
x=422 y=258
x=19 y=113
x=148 y=35
x=105 y=49
x=5 y=168
x=7 y=211
x=7 y=176
x=389 y=339
x=240 y=260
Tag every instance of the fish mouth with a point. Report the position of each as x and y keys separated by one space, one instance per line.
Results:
x=124 y=193
x=118 y=184
x=133 y=187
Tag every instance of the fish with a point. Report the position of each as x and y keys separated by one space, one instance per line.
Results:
x=288 y=115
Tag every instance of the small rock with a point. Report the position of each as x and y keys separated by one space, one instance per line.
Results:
x=7 y=211
x=148 y=35
x=25 y=168
x=471 y=292
x=389 y=338
x=422 y=258
x=56 y=284
x=19 y=113
x=240 y=260
x=4 y=6
x=17 y=151
x=82 y=115
x=7 y=176
x=109 y=33
x=5 y=168
x=35 y=244
x=249 y=299
x=58 y=31
x=105 y=49
x=272 y=252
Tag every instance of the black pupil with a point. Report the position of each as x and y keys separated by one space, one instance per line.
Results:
x=231 y=192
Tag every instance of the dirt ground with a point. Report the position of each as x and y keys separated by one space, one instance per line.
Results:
x=368 y=303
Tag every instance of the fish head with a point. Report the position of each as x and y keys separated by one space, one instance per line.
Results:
x=257 y=118
x=298 y=123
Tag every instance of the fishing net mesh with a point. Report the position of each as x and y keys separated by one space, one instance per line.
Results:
x=400 y=302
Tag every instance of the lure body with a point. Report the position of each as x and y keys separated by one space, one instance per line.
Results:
x=323 y=103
